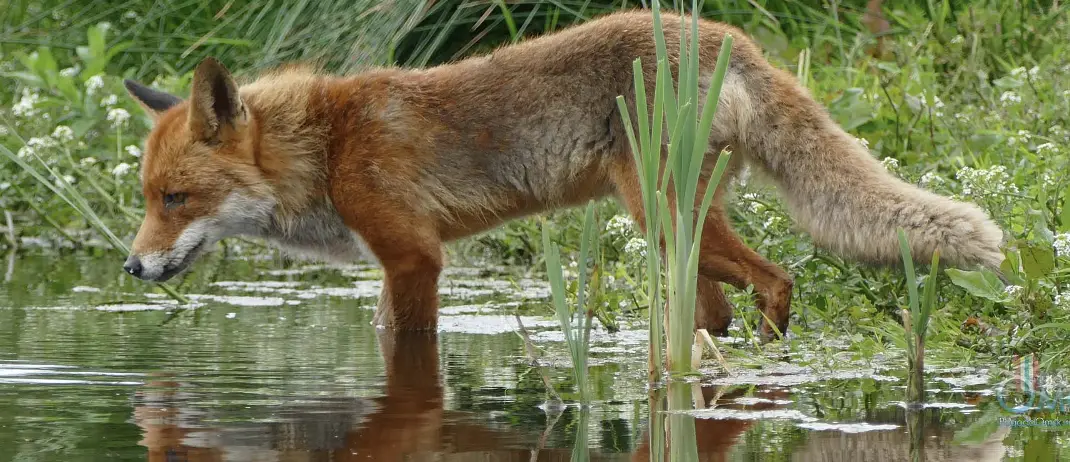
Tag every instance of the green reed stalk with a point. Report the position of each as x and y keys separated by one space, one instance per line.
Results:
x=684 y=157
x=683 y=440
x=580 y=450
x=72 y=197
x=916 y=320
x=577 y=338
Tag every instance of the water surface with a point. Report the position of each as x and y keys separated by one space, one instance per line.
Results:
x=281 y=363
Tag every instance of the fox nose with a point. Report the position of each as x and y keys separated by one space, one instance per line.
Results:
x=133 y=266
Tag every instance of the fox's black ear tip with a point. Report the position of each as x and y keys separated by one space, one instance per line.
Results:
x=155 y=100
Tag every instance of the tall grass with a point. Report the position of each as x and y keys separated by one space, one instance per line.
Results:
x=173 y=37
x=676 y=112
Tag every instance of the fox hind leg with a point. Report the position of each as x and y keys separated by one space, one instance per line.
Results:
x=713 y=312
x=725 y=257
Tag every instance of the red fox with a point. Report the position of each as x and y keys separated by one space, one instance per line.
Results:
x=391 y=163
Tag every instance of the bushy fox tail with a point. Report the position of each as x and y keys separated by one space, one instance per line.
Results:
x=839 y=193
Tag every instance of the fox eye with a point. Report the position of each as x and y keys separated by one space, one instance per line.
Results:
x=172 y=200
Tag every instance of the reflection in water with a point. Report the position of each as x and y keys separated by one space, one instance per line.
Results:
x=410 y=422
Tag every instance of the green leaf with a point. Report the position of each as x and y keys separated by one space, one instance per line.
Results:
x=850 y=110
x=46 y=65
x=1037 y=262
x=1011 y=268
x=97 y=46
x=1008 y=82
x=83 y=54
x=890 y=68
x=66 y=87
x=984 y=284
x=30 y=79
x=1041 y=227
x=1064 y=214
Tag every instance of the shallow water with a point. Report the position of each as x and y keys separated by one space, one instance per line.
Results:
x=282 y=364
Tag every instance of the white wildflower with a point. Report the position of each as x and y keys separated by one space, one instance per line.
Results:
x=104 y=25
x=938 y=104
x=1047 y=147
x=69 y=72
x=966 y=176
x=1023 y=136
x=957 y=39
x=4 y=131
x=864 y=142
x=4 y=186
x=773 y=221
x=1020 y=72
x=133 y=150
x=1062 y=300
x=27 y=105
x=1047 y=181
x=890 y=163
x=1009 y=97
x=94 y=84
x=620 y=225
x=992 y=180
x=636 y=247
x=63 y=134
x=1013 y=291
x=931 y=179
x=37 y=145
x=1062 y=244
x=753 y=204
x=110 y=100
x=87 y=161
x=122 y=169
x=131 y=15
x=118 y=117
x=65 y=179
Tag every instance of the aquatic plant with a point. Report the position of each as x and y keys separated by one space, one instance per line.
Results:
x=677 y=114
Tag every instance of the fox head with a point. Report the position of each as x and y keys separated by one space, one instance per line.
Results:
x=199 y=176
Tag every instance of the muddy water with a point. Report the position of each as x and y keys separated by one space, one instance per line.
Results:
x=279 y=363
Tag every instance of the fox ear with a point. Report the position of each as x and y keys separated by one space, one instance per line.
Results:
x=154 y=102
x=214 y=101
